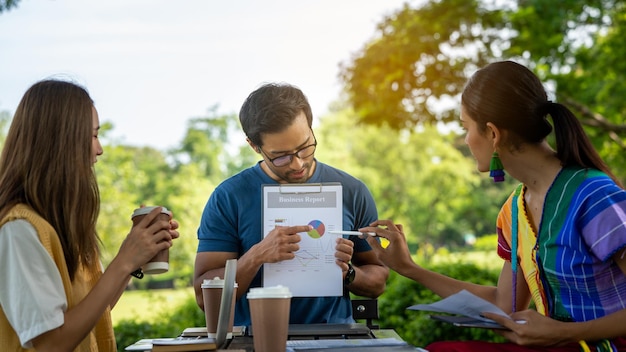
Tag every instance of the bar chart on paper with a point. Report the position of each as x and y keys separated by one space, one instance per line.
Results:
x=314 y=261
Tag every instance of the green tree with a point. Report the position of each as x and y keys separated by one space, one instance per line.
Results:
x=421 y=57
x=208 y=143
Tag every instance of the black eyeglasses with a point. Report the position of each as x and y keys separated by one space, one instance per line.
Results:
x=286 y=159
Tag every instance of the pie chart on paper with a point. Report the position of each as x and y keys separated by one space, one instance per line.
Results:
x=318 y=229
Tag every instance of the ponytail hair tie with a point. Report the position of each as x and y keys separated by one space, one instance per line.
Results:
x=544 y=108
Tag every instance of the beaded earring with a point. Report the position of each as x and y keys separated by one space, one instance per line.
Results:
x=496 y=170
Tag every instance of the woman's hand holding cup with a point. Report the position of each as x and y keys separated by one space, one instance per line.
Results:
x=147 y=245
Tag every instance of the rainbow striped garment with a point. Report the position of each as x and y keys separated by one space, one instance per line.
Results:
x=568 y=266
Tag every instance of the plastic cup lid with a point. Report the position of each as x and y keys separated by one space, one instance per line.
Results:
x=214 y=282
x=269 y=292
x=146 y=210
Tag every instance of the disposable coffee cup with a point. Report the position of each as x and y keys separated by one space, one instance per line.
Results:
x=159 y=264
x=269 y=310
x=212 y=296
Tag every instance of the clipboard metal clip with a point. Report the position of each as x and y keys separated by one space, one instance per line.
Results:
x=294 y=188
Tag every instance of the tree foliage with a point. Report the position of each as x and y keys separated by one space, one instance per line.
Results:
x=211 y=143
x=420 y=59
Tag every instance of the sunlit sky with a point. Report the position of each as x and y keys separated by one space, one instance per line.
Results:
x=151 y=65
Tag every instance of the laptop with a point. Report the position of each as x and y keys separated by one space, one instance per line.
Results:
x=347 y=329
x=225 y=305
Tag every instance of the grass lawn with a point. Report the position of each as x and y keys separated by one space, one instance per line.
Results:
x=145 y=305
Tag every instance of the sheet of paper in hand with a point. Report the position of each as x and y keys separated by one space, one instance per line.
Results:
x=467 y=322
x=468 y=308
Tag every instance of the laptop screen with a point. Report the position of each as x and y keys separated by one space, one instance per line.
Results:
x=225 y=304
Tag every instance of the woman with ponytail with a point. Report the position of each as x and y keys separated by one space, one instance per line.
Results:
x=561 y=233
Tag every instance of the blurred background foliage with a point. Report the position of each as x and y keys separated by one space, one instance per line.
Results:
x=413 y=70
x=394 y=128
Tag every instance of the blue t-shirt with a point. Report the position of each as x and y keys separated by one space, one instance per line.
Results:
x=232 y=222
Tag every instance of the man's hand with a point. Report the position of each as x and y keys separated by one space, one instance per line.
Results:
x=370 y=275
x=343 y=254
x=280 y=244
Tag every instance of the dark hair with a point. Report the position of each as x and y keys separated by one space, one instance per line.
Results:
x=511 y=97
x=46 y=164
x=271 y=109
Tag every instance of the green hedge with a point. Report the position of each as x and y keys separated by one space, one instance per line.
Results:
x=416 y=327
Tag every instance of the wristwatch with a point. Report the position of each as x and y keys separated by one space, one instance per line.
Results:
x=137 y=273
x=350 y=274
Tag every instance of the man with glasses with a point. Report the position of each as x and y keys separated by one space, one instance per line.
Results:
x=277 y=119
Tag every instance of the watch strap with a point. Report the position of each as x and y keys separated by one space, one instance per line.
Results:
x=350 y=275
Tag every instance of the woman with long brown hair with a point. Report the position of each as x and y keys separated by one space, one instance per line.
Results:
x=55 y=295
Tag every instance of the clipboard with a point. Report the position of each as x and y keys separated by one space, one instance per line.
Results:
x=319 y=205
x=301 y=188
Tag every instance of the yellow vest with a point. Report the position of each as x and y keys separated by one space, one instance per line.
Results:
x=101 y=337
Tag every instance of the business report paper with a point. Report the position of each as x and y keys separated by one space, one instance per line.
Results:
x=313 y=272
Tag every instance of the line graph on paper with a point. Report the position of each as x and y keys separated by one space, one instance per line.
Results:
x=316 y=250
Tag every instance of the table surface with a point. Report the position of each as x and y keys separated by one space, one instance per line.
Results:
x=245 y=343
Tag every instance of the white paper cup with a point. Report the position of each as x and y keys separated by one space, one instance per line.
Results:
x=269 y=310
x=212 y=297
x=159 y=264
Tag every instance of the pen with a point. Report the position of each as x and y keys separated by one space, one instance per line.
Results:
x=356 y=233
